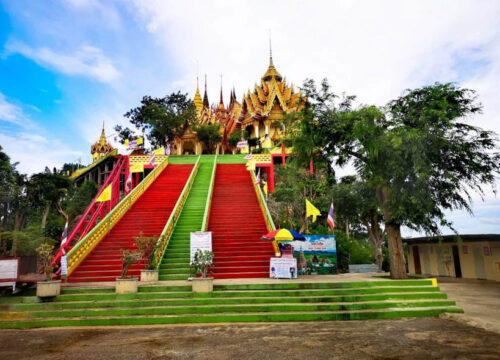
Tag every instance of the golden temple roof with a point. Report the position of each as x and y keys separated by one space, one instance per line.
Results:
x=198 y=102
x=101 y=146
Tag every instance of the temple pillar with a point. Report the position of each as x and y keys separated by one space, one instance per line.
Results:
x=256 y=128
x=267 y=123
x=270 y=178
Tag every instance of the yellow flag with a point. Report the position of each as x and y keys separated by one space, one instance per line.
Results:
x=311 y=210
x=251 y=165
x=137 y=168
x=126 y=143
x=265 y=189
x=159 y=151
x=140 y=141
x=105 y=195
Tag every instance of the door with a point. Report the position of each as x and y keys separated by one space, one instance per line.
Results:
x=479 y=262
x=416 y=260
x=456 y=262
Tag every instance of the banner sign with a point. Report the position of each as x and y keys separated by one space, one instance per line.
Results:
x=316 y=255
x=64 y=265
x=8 y=272
x=200 y=240
x=283 y=268
x=242 y=144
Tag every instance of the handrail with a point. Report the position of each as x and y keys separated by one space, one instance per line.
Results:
x=94 y=209
x=208 y=203
x=265 y=211
x=162 y=243
x=78 y=253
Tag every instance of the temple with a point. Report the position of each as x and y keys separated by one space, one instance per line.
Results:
x=260 y=113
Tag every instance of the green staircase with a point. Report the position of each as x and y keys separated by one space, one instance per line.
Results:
x=275 y=302
x=175 y=263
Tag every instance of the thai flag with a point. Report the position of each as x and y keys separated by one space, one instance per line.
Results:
x=257 y=178
x=128 y=183
x=152 y=159
x=330 y=220
x=248 y=157
x=167 y=149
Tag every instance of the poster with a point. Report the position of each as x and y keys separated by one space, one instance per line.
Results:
x=200 y=240
x=317 y=255
x=283 y=268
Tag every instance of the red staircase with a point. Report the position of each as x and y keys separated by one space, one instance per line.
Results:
x=149 y=215
x=237 y=223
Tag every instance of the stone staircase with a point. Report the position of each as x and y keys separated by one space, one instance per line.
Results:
x=271 y=302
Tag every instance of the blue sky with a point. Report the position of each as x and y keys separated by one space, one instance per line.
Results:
x=68 y=65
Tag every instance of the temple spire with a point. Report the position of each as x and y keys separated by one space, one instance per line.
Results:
x=270 y=50
x=221 y=102
x=205 y=96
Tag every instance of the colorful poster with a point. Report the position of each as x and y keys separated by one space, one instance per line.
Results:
x=315 y=256
x=283 y=268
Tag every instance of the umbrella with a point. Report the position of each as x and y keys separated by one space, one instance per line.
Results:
x=283 y=235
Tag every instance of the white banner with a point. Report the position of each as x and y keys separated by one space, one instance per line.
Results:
x=283 y=268
x=64 y=265
x=8 y=271
x=200 y=240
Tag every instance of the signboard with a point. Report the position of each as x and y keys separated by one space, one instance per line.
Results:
x=64 y=265
x=200 y=240
x=316 y=255
x=283 y=268
x=8 y=272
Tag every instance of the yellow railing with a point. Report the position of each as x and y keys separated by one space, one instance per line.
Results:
x=265 y=211
x=144 y=159
x=261 y=158
x=164 y=238
x=90 y=241
x=208 y=204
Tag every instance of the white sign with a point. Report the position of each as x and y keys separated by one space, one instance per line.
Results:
x=64 y=265
x=8 y=272
x=283 y=268
x=200 y=240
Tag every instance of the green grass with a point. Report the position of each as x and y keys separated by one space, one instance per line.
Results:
x=231 y=159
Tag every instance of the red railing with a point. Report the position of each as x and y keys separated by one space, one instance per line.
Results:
x=96 y=210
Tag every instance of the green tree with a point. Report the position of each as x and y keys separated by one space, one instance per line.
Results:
x=419 y=156
x=210 y=135
x=160 y=118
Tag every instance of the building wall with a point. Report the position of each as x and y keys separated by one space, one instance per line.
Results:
x=478 y=260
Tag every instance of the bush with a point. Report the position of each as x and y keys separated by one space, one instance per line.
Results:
x=147 y=246
x=352 y=251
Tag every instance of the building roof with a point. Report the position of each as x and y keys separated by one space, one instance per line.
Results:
x=452 y=238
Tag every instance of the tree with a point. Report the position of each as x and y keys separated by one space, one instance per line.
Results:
x=49 y=189
x=419 y=156
x=210 y=135
x=161 y=118
x=236 y=137
x=356 y=204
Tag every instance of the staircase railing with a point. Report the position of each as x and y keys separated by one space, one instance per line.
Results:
x=265 y=211
x=95 y=211
x=166 y=234
x=85 y=246
x=208 y=204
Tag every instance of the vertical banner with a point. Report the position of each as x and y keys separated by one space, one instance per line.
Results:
x=201 y=240
x=64 y=265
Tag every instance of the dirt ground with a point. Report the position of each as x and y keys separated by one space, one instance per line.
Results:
x=423 y=338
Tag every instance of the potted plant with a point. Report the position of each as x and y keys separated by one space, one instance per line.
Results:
x=202 y=265
x=147 y=246
x=125 y=284
x=49 y=288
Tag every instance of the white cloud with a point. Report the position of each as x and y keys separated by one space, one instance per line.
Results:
x=26 y=148
x=10 y=112
x=87 y=61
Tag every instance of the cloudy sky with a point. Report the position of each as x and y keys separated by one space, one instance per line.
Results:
x=66 y=66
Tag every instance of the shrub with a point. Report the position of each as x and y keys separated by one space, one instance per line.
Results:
x=45 y=256
x=147 y=246
x=129 y=257
x=202 y=263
